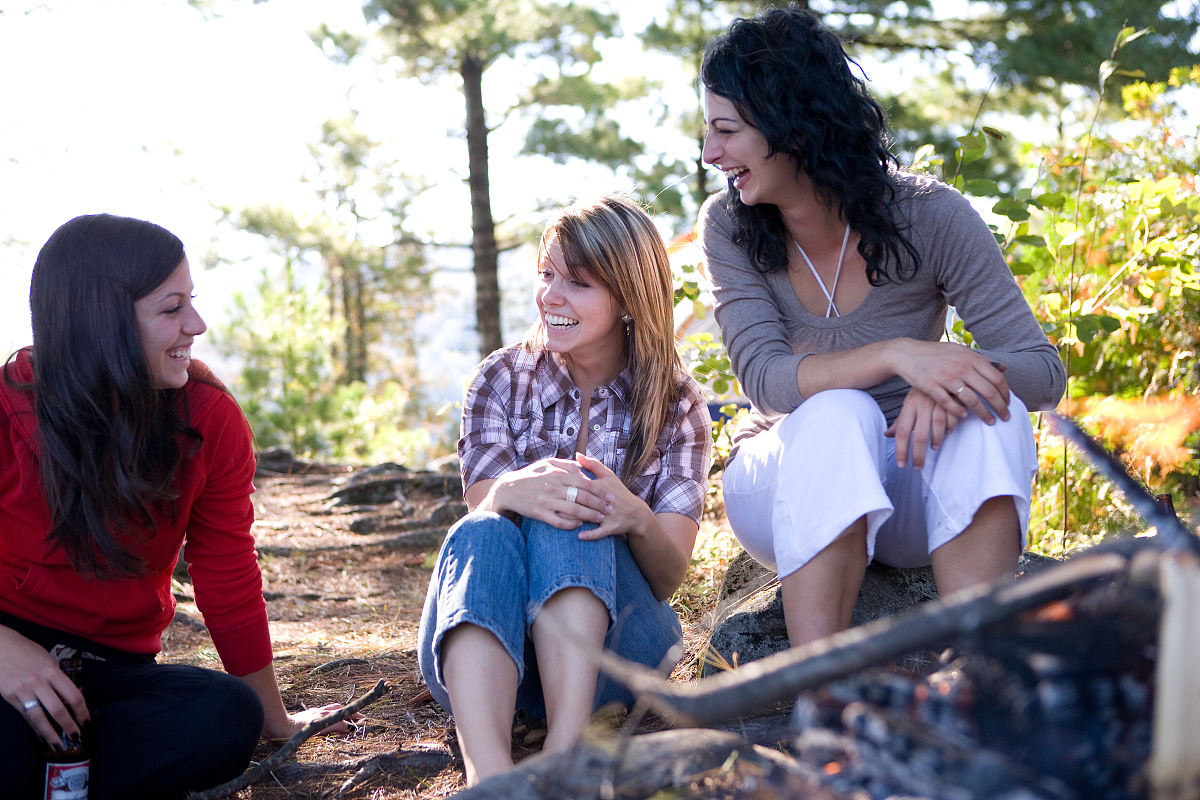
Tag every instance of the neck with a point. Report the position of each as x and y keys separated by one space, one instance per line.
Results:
x=589 y=372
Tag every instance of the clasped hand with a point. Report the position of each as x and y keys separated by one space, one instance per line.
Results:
x=558 y=492
x=949 y=381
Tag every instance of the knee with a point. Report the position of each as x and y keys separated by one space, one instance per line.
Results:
x=237 y=712
x=837 y=411
x=481 y=532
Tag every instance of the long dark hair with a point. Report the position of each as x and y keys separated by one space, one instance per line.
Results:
x=789 y=77
x=108 y=450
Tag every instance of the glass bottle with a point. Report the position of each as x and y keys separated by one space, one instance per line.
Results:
x=68 y=770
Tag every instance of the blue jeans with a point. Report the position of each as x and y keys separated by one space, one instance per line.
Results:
x=496 y=575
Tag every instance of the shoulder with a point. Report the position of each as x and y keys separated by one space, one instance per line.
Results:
x=500 y=368
x=714 y=219
x=209 y=403
x=922 y=196
x=691 y=402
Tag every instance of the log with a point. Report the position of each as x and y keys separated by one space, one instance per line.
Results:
x=782 y=676
x=1175 y=756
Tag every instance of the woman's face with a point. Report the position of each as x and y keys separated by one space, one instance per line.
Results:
x=737 y=148
x=579 y=316
x=167 y=324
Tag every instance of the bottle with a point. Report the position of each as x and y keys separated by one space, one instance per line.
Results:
x=67 y=770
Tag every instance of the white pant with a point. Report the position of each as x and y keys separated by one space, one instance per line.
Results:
x=791 y=490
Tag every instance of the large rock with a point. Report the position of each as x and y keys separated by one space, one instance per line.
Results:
x=750 y=605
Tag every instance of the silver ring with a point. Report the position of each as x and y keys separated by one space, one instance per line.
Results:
x=960 y=389
x=572 y=493
x=30 y=705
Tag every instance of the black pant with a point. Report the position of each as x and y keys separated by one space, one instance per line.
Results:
x=156 y=731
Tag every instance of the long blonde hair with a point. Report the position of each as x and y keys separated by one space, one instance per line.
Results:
x=614 y=243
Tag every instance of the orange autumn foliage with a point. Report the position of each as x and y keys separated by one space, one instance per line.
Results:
x=1147 y=433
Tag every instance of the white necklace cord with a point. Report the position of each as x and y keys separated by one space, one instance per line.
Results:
x=831 y=308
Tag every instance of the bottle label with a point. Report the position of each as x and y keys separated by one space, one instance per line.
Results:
x=67 y=781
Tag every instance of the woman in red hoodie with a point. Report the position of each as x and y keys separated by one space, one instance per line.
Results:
x=115 y=449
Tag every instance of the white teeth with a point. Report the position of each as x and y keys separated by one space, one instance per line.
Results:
x=734 y=172
x=182 y=352
x=560 y=322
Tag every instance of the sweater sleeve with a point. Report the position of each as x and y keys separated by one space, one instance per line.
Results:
x=975 y=279
x=751 y=322
x=219 y=547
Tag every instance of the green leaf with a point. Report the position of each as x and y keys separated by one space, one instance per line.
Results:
x=1021 y=268
x=995 y=134
x=1049 y=327
x=699 y=310
x=1032 y=241
x=1015 y=210
x=720 y=386
x=1054 y=200
x=983 y=188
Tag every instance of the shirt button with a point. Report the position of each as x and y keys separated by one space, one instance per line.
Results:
x=604 y=392
x=575 y=393
x=596 y=427
x=570 y=431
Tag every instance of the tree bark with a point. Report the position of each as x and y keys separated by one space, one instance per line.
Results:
x=483 y=227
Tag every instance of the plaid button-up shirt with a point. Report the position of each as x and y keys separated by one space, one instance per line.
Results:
x=522 y=407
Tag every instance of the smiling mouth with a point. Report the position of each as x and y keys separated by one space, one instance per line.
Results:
x=180 y=353
x=561 y=323
x=735 y=174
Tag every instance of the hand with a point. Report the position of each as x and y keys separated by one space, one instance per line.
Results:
x=925 y=421
x=296 y=722
x=627 y=512
x=955 y=377
x=27 y=672
x=540 y=490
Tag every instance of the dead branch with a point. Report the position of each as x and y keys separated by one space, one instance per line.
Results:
x=783 y=675
x=290 y=746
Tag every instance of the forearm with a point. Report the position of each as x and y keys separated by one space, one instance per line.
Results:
x=276 y=724
x=662 y=552
x=859 y=368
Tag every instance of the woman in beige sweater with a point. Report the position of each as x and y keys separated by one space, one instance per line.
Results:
x=833 y=272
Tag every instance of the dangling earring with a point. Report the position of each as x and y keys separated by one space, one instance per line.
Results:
x=627 y=319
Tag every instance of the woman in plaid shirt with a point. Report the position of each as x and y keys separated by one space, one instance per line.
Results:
x=585 y=451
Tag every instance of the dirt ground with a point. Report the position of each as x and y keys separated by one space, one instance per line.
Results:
x=344 y=608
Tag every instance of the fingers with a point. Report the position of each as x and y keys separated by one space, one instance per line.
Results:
x=46 y=705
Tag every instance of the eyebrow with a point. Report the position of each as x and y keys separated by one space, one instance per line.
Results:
x=723 y=119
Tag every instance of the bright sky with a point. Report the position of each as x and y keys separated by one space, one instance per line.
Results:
x=152 y=109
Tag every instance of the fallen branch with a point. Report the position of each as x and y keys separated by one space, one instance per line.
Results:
x=655 y=762
x=290 y=746
x=781 y=676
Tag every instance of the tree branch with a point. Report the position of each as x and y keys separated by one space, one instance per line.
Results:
x=290 y=746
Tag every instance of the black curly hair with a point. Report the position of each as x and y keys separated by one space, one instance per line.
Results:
x=789 y=77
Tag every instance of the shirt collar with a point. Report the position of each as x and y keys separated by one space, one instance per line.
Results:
x=555 y=381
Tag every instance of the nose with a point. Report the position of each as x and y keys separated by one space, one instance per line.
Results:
x=551 y=293
x=194 y=326
x=711 y=152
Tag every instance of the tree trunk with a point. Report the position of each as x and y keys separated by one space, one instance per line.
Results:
x=483 y=227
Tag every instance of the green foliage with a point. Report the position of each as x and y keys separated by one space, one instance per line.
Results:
x=284 y=337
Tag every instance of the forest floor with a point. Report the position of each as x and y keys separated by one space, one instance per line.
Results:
x=344 y=608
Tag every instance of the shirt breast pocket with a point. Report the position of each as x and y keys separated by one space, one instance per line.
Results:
x=532 y=442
